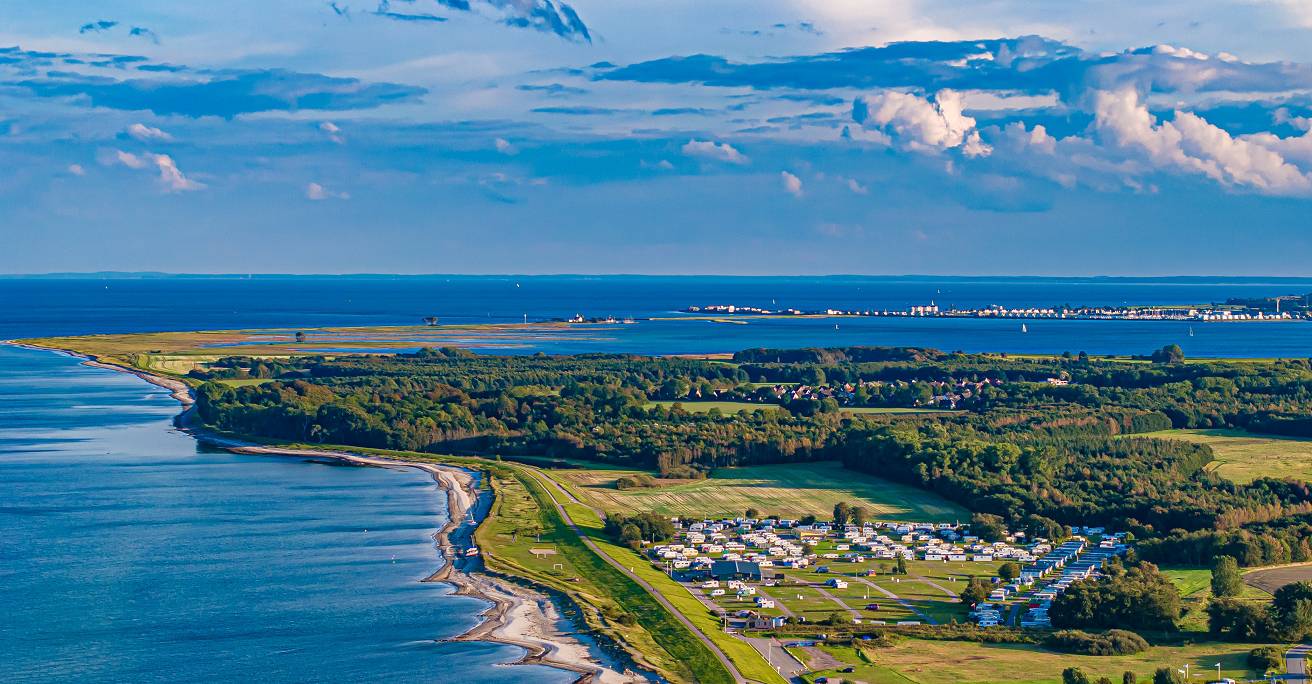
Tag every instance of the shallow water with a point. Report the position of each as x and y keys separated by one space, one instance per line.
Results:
x=130 y=554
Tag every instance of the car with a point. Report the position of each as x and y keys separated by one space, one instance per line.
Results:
x=872 y=606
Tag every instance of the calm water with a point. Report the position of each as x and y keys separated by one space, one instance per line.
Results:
x=35 y=306
x=130 y=554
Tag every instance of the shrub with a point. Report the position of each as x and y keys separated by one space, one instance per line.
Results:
x=1265 y=658
x=1113 y=642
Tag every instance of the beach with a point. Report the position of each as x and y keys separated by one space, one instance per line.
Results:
x=517 y=615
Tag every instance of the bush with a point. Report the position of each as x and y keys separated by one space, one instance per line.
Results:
x=638 y=481
x=1113 y=642
x=1265 y=658
x=683 y=472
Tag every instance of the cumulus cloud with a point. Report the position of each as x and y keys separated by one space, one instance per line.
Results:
x=1190 y=143
x=333 y=132
x=792 y=184
x=504 y=147
x=171 y=178
x=317 y=192
x=144 y=133
x=857 y=187
x=709 y=149
x=924 y=124
x=77 y=170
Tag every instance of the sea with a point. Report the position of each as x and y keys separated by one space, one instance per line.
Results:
x=130 y=552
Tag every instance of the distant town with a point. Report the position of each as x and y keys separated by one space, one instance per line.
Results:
x=1283 y=308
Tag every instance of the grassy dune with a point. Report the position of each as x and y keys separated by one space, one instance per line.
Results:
x=787 y=490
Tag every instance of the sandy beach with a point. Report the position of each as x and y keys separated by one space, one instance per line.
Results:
x=517 y=615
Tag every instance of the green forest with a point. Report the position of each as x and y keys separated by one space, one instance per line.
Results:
x=1038 y=443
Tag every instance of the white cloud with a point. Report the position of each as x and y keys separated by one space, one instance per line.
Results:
x=709 y=149
x=923 y=124
x=171 y=177
x=1189 y=142
x=333 y=131
x=132 y=161
x=855 y=186
x=144 y=133
x=317 y=192
x=77 y=170
x=792 y=184
x=504 y=147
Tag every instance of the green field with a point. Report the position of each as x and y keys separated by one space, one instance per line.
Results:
x=1243 y=457
x=953 y=662
x=723 y=406
x=791 y=490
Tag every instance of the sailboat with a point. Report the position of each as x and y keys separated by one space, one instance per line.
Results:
x=1191 y=331
x=1024 y=328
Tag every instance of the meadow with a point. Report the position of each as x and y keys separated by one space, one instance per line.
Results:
x=791 y=490
x=955 y=662
x=1243 y=457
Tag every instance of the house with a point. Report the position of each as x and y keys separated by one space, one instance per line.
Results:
x=736 y=570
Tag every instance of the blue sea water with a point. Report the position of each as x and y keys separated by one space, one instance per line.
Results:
x=130 y=553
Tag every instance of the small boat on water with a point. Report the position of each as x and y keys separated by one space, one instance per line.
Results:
x=471 y=551
x=1191 y=331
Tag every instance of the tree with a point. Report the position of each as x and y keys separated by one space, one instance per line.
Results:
x=1104 y=680
x=300 y=336
x=842 y=512
x=1226 y=579
x=901 y=565
x=1171 y=353
x=1238 y=620
x=1265 y=658
x=1074 y=675
x=858 y=515
x=1291 y=611
x=988 y=527
x=1009 y=571
x=1129 y=677
x=976 y=591
x=752 y=513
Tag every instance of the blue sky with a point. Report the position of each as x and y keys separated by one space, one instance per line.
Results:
x=535 y=136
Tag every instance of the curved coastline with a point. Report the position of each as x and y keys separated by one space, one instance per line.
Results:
x=517 y=615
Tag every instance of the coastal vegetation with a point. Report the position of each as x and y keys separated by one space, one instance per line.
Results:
x=589 y=455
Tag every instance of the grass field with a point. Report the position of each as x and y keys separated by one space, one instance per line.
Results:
x=787 y=490
x=953 y=662
x=723 y=406
x=1243 y=457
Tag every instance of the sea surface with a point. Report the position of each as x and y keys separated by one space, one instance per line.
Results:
x=128 y=552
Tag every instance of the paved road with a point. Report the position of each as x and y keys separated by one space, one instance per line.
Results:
x=552 y=487
x=1296 y=664
x=774 y=653
x=821 y=590
x=901 y=601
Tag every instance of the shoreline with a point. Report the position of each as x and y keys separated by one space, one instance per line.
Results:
x=517 y=616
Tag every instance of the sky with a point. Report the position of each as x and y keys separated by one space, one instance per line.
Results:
x=977 y=137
